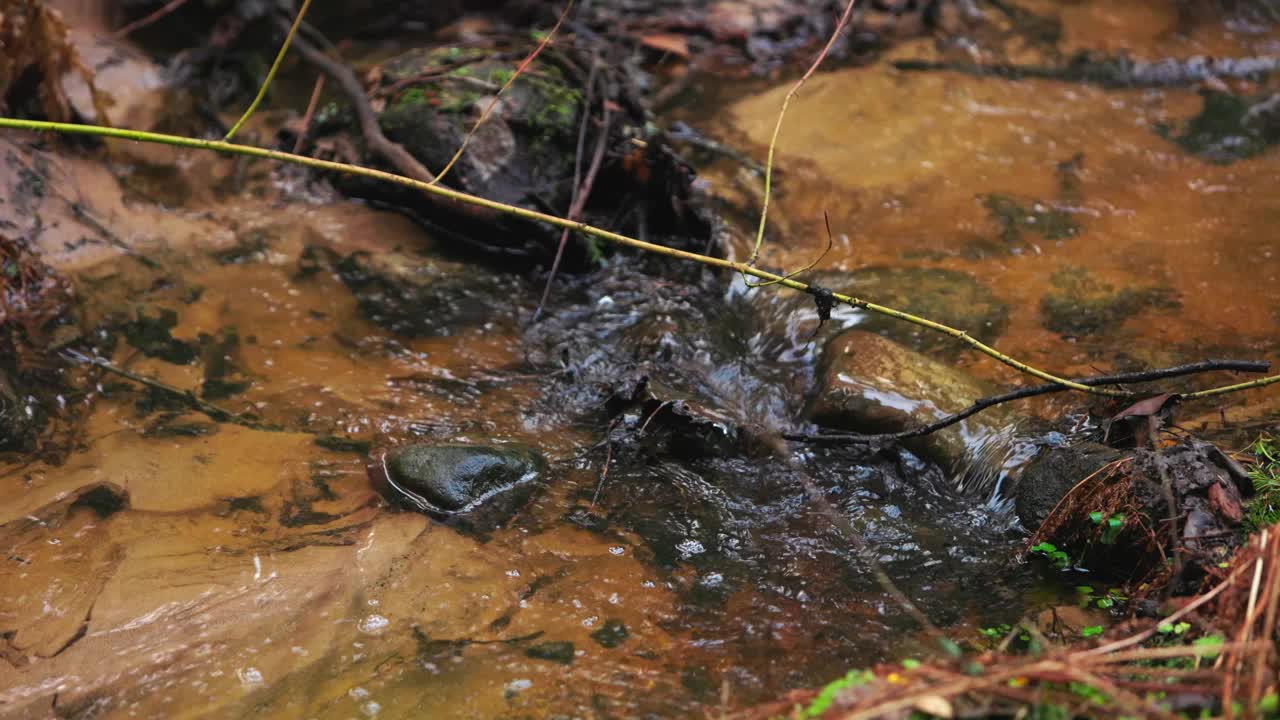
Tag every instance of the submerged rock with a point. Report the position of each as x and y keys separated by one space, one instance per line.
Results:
x=476 y=487
x=870 y=384
x=1080 y=304
x=1230 y=128
x=417 y=297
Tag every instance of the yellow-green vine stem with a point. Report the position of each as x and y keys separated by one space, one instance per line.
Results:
x=619 y=239
x=271 y=74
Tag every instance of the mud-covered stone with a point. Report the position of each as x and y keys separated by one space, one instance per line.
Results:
x=476 y=487
x=1054 y=472
x=870 y=384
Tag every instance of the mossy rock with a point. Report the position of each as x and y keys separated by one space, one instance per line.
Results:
x=1079 y=304
x=522 y=154
x=416 y=297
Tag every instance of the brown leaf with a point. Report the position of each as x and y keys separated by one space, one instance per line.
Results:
x=1148 y=407
x=668 y=43
x=1225 y=500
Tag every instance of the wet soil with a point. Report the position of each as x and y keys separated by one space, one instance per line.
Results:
x=675 y=561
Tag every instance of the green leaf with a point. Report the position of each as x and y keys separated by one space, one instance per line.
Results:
x=1211 y=643
x=1096 y=517
x=910 y=664
x=1091 y=631
x=827 y=696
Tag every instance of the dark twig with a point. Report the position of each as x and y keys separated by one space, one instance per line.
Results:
x=149 y=19
x=399 y=158
x=579 y=203
x=309 y=115
x=1048 y=388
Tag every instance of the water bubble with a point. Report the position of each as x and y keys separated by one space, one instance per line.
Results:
x=616 y=550
x=249 y=676
x=371 y=709
x=373 y=623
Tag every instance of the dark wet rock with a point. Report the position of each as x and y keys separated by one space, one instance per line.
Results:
x=1056 y=470
x=869 y=384
x=557 y=651
x=947 y=296
x=1206 y=488
x=1230 y=127
x=1080 y=304
x=612 y=634
x=694 y=427
x=636 y=344
x=416 y=297
x=475 y=487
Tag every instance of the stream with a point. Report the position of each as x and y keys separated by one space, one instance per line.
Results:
x=673 y=561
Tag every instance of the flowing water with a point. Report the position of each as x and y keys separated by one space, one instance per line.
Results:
x=174 y=566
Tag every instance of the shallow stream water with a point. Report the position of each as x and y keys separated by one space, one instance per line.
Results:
x=253 y=571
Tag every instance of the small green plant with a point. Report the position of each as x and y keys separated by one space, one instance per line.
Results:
x=827 y=696
x=1110 y=599
x=1264 y=509
x=1059 y=558
x=1111 y=526
x=1178 y=629
x=1092 y=631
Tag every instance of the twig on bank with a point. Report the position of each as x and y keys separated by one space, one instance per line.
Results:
x=399 y=158
x=579 y=203
x=310 y=113
x=983 y=403
x=149 y=19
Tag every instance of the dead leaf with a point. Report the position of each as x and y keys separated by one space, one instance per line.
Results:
x=668 y=43
x=1225 y=500
x=1148 y=407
